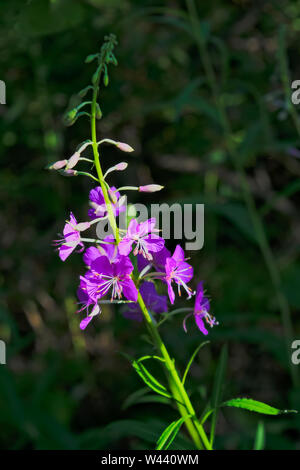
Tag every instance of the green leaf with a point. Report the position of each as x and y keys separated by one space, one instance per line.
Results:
x=259 y=442
x=134 y=397
x=256 y=406
x=217 y=390
x=169 y=434
x=192 y=358
x=150 y=380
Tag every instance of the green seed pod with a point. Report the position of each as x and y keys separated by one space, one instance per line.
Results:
x=98 y=112
x=96 y=75
x=90 y=58
x=70 y=117
x=106 y=79
x=84 y=91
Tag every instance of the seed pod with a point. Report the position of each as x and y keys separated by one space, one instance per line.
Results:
x=106 y=79
x=96 y=75
x=98 y=112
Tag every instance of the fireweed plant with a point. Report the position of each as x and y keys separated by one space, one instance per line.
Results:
x=110 y=275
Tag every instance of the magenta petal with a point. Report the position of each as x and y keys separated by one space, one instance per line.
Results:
x=178 y=254
x=154 y=243
x=102 y=265
x=200 y=323
x=132 y=227
x=199 y=297
x=129 y=289
x=125 y=246
x=84 y=323
x=123 y=266
x=65 y=251
x=171 y=293
x=90 y=255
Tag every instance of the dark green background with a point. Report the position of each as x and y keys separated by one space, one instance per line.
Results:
x=64 y=389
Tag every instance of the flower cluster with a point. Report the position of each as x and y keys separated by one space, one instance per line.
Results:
x=110 y=266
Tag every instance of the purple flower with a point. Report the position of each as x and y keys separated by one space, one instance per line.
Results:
x=178 y=271
x=71 y=239
x=201 y=310
x=109 y=249
x=143 y=237
x=154 y=302
x=105 y=276
x=158 y=262
x=86 y=302
x=98 y=203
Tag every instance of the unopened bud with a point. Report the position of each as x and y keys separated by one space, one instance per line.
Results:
x=57 y=165
x=124 y=147
x=105 y=80
x=121 y=166
x=90 y=58
x=82 y=226
x=73 y=160
x=150 y=188
x=68 y=172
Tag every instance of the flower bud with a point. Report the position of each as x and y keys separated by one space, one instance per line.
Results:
x=82 y=226
x=121 y=166
x=57 y=165
x=106 y=80
x=90 y=58
x=150 y=188
x=73 y=160
x=124 y=147
x=68 y=172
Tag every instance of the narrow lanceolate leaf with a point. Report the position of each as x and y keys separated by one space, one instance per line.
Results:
x=192 y=359
x=256 y=406
x=259 y=442
x=217 y=390
x=150 y=380
x=169 y=434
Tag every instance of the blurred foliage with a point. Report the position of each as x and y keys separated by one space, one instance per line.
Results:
x=62 y=389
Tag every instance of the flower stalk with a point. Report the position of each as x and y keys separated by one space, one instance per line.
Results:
x=178 y=391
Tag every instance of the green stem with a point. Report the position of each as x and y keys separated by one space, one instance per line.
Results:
x=183 y=402
x=184 y=405
x=179 y=393
x=111 y=216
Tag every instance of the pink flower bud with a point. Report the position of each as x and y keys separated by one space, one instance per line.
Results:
x=57 y=165
x=121 y=166
x=73 y=160
x=68 y=172
x=150 y=188
x=82 y=226
x=124 y=147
